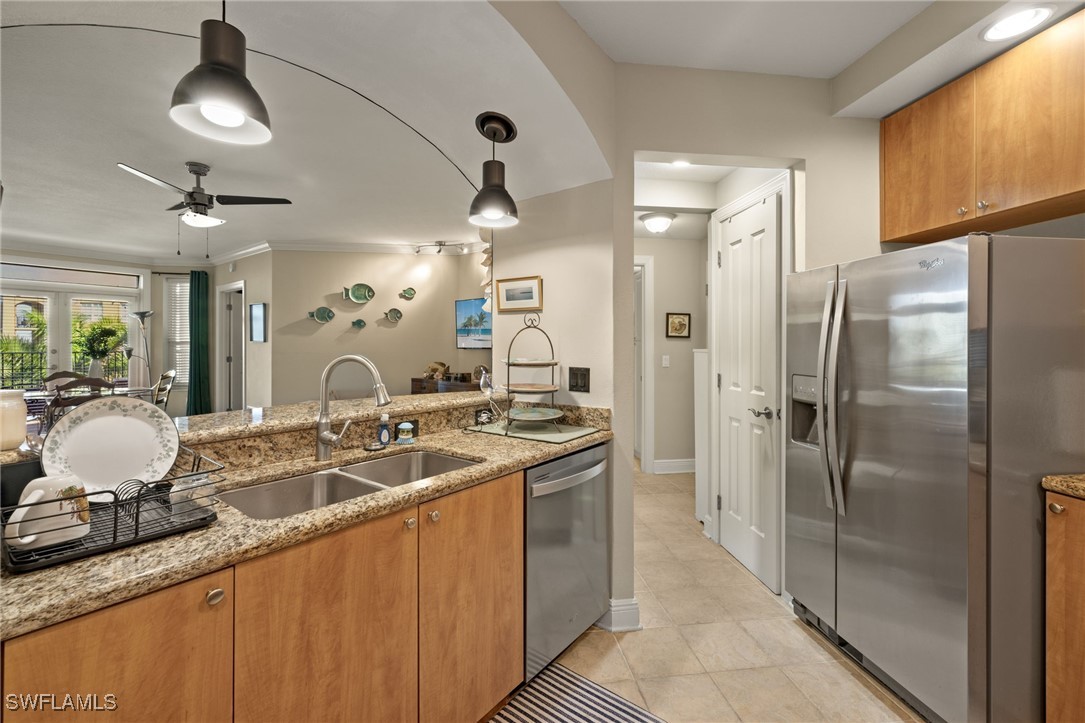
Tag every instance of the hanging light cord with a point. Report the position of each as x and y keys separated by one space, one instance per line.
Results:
x=266 y=55
x=207 y=238
x=223 y=10
x=178 y=234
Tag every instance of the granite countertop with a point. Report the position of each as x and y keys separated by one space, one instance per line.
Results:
x=33 y=600
x=1066 y=484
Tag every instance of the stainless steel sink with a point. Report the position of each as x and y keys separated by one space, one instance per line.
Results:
x=285 y=497
x=403 y=469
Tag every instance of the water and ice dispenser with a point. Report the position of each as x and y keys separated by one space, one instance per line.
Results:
x=804 y=427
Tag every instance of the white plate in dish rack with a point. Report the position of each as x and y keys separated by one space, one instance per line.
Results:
x=109 y=440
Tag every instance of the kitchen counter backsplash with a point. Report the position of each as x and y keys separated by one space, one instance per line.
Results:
x=1067 y=484
x=276 y=443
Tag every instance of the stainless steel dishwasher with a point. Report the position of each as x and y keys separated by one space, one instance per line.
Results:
x=568 y=582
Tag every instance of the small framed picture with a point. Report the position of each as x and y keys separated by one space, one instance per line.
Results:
x=522 y=294
x=677 y=326
x=258 y=322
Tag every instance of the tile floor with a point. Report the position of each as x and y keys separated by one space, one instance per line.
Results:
x=716 y=645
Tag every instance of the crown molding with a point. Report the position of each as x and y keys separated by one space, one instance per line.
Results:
x=76 y=253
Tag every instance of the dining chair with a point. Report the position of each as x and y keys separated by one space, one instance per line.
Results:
x=162 y=389
x=71 y=394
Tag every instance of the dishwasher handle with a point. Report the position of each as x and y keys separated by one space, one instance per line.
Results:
x=549 y=488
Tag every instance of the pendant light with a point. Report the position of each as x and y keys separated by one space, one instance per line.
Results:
x=215 y=99
x=493 y=207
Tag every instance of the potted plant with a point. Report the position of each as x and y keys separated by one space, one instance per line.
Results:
x=97 y=340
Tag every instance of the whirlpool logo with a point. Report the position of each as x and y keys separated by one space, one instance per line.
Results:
x=932 y=264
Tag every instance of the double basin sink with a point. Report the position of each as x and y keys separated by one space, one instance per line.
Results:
x=291 y=496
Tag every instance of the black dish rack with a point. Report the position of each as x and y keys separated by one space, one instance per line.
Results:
x=133 y=513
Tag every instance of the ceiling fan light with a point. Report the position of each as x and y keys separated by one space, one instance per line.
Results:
x=657 y=222
x=200 y=220
x=217 y=90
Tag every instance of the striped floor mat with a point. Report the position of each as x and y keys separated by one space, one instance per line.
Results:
x=558 y=695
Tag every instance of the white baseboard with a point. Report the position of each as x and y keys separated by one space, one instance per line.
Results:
x=622 y=617
x=674 y=466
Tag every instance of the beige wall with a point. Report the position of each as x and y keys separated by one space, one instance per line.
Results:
x=255 y=271
x=678 y=268
x=301 y=347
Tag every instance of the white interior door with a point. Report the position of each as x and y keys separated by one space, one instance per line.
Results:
x=638 y=359
x=749 y=461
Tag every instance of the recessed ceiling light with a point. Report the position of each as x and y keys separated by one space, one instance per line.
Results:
x=1017 y=24
x=680 y=164
x=657 y=222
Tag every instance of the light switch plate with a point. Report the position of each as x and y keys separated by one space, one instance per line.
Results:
x=666 y=360
x=579 y=379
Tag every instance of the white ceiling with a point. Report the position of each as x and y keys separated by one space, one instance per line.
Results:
x=657 y=171
x=807 y=39
x=77 y=100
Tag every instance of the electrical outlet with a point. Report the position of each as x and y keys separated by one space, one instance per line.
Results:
x=579 y=379
x=483 y=416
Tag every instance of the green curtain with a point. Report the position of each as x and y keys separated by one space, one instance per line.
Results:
x=199 y=337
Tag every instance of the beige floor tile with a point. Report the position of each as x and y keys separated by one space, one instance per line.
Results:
x=686 y=698
x=787 y=642
x=653 y=551
x=657 y=653
x=627 y=689
x=765 y=695
x=692 y=604
x=687 y=484
x=694 y=547
x=639 y=585
x=724 y=646
x=750 y=601
x=719 y=572
x=596 y=656
x=653 y=487
x=652 y=613
x=665 y=575
x=839 y=695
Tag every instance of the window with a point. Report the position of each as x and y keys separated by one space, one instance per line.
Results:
x=177 y=326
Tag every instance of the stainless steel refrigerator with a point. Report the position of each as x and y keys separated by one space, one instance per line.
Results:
x=930 y=389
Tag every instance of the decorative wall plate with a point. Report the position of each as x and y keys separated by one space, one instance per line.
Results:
x=408 y=293
x=359 y=293
x=393 y=315
x=358 y=323
x=322 y=315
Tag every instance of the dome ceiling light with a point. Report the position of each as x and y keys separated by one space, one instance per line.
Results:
x=1017 y=24
x=657 y=222
x=215 y=99
x=493 y=207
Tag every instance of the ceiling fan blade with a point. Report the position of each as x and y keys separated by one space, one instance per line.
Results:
x=178 y=206
x=152 y=179
x=247 y=200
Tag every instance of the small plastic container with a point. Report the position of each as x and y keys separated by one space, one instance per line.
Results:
x=191 y=499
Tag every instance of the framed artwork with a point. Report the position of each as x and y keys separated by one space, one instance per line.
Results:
x=677 y=326
x=258 y=323
x=474 y=325
x=521 y=294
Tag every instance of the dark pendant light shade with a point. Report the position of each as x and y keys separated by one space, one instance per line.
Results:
x=492 y=206
x=215 y=99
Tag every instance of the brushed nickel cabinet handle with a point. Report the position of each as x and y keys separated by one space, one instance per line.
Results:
x=214 y=597
x=1056 y=508
x=410 y=522
x=435 y=516
x=962 y=211
x=983 y=205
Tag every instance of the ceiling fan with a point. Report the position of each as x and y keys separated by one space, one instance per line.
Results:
x=198 y=201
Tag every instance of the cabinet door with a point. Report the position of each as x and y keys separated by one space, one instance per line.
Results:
x=1065 y=623
x=471 y=597
x=1030 y=119
x=327 y=629
x=166 y=656
x=928 y=162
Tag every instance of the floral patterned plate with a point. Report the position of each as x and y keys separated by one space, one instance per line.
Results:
x=110 y=440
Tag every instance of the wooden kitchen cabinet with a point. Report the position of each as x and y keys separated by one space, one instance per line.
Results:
x=328 y=629
x=1065 y=672
x=1000 y=147
x=471 y=600
x=166 y=656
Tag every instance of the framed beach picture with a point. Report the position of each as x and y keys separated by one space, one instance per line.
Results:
x=522 y=294
x=258 y=322
x=677 y=326
x=474 y=325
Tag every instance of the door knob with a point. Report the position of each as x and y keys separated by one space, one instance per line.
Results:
x=766 y=413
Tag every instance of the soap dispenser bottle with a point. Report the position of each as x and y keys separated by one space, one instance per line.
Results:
x=384 y=431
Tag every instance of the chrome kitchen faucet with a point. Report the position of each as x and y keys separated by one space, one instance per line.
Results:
x=326 y=439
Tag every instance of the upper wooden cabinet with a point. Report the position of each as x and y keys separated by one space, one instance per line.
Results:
x=166 y=656
x=929 y=162
x=1065 y=624
x=1003 y=146
x=471 y=600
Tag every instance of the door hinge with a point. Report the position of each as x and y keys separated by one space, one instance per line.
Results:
x=719 y=259
x=719 y=502
x=229 y=307
x=706 y=289
x=229 y=360
x=719 y=382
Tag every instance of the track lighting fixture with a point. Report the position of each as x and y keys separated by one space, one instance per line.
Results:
x=452 y=246
x=215 y=99
x=493 y=206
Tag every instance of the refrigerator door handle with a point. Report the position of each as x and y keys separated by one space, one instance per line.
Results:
x=823 y=341
x=834 y=364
